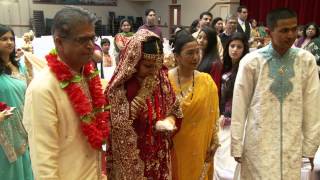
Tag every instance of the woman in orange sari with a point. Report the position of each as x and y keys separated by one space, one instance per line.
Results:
x=144 y=113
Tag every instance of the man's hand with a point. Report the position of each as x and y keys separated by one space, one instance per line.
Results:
x=238 y=159
x=311 y=163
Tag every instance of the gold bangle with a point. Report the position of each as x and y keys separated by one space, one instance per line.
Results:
x=135 y=106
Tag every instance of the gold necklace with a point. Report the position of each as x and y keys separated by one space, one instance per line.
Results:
x=181 y=93
x=13 y=68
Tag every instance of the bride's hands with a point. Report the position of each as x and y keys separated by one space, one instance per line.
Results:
x=146 y=90
x=167 y=124
x=147 y=86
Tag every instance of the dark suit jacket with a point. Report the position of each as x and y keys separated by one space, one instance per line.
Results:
x=248 y=30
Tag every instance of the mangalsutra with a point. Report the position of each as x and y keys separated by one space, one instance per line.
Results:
x=181 y=93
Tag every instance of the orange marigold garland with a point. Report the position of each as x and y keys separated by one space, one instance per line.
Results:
x=94 y=115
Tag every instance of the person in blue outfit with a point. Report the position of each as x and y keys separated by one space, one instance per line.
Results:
x=15 y=162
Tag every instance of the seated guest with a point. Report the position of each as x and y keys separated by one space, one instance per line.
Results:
x=262 y=30
x=310 y=32
x=300 y=29
x=28 y=38
x=255 y=38
x=28 y=47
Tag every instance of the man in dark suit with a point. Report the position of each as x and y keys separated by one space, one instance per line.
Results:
x=243 y=25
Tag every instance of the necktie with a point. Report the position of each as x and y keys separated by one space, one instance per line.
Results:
x=243 y=26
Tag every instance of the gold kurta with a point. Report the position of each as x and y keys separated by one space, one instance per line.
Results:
x=199 y=126
x=58 y=148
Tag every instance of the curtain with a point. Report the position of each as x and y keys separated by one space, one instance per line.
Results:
x=307 y=10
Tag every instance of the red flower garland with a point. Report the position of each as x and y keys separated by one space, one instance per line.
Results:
x=94 y=117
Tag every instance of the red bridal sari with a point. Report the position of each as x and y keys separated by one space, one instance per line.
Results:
x=136 y=149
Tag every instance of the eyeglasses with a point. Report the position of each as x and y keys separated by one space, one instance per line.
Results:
x=83 y=40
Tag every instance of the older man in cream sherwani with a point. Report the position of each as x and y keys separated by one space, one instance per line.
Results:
x=58 y=147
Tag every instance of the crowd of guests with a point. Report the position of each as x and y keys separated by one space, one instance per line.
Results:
x=309 y=40
x=219 y=108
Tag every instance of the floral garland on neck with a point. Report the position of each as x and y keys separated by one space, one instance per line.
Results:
x=3 y=106
x=94 y=115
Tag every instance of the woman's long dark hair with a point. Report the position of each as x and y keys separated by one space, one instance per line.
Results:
x=228 y=66
x=211 y=52
x=227 y=61
x=214 y=22
x=3 y=68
